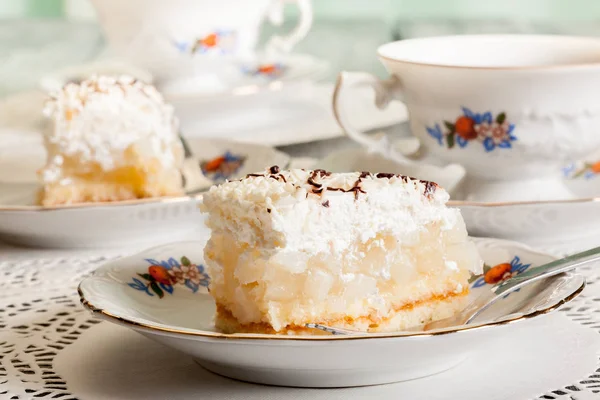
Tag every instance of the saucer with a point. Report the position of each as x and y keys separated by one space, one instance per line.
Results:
x=541 y=212
x=300 y=113
x=113 y=223
x=180 y=316
x=248 y=78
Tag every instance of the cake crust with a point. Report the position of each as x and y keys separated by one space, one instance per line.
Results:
x=405 y=316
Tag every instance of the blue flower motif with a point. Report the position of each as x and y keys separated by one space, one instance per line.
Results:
x=479 y=283
x=518 y=266
x=487 y=117
x=468 y=113
x=568 y=170
x=139 y=285
x=436 y=133
x=166 y=288
x=181 y=46
x=230 y=157
x=191 y=285
x=461 y=141
x=589 y=175
x=509 y=131
x=488 y=144
x=168 y=264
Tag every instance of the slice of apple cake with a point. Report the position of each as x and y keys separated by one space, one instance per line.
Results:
x=371 y=252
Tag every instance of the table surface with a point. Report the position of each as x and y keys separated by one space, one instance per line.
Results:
x=38 y=285
x=50 y=346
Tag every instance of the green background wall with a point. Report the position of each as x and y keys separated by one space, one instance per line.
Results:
x=385 y=9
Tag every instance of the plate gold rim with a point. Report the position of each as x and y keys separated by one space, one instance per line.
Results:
x=464 y=203
x=104 y=204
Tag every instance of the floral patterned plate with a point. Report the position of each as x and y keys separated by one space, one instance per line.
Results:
x=116 y=224
x=162 y=293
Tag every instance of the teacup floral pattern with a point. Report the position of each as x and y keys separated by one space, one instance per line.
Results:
x=270 y=70
x=492 y=132
x=499 y=272
x=162 y=277
x=219 y=41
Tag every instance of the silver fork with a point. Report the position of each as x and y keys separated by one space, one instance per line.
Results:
x=194 y=180
x=486 y=299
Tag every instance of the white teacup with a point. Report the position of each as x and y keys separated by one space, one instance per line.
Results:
x=506 y=107
x=205 y=39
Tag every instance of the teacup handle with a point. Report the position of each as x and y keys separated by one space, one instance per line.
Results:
x=385 y=91
x=284 y=44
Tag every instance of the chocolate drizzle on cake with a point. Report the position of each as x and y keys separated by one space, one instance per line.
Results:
x=311 y=181
x=430 y=188
x=317 y=173
x=317 y=188
x=356 y=187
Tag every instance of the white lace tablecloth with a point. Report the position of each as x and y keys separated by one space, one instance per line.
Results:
x=51 y=348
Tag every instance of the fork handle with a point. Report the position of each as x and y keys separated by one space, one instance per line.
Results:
x=547 y=270
x=187 y=151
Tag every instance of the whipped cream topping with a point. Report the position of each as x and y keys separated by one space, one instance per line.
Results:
x=97 y=119
x=312 y=212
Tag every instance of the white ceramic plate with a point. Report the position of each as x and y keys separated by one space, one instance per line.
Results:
x=117 y=223
x=569 y=211
x=180 y=316
x=540 y=223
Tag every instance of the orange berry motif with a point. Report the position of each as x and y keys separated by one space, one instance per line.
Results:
x=209 y=40
x=595 y=167
x=496 y=273
x=267 y=69
x=159 y=274
x=214 y=164
x=222 y=167
x=465 y=128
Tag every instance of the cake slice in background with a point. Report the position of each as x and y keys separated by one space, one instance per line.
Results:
x=371 y=252
x=111 y=139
